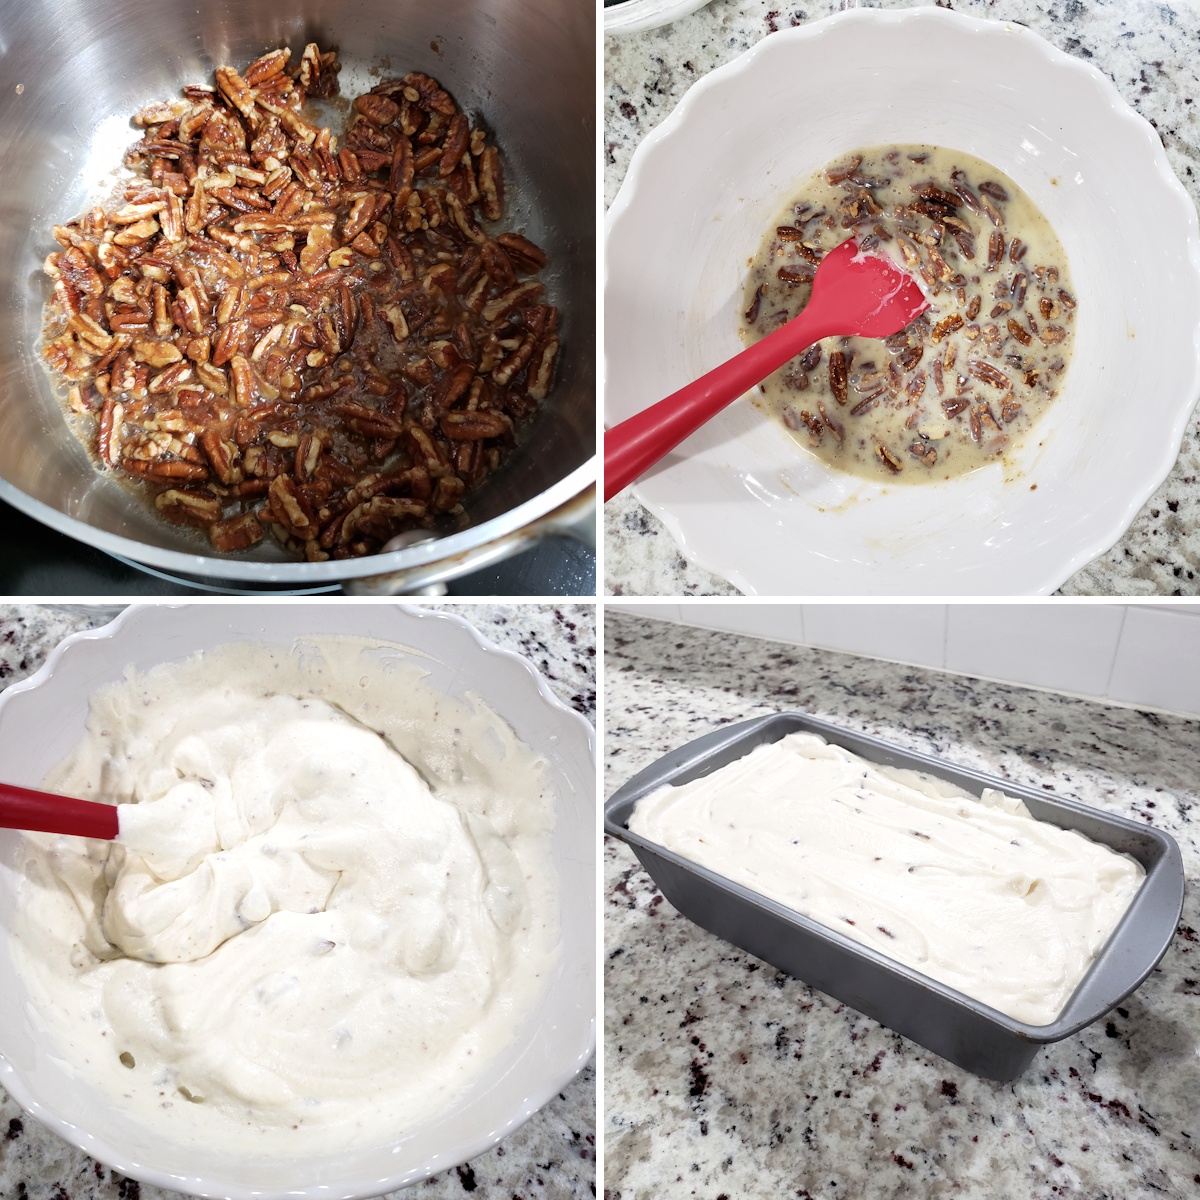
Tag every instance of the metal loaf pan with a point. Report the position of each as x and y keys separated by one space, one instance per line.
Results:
x=970 y=1034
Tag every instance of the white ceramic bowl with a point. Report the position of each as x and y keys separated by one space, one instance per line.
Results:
x=42 y=717
x=738 y=496
x=635 y=15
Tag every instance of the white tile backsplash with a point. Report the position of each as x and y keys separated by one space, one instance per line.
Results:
x=779 y=622
x=657 y=612
x=1065 y=647
x=907 y=633
x=1158 y=661
x=1141 y=654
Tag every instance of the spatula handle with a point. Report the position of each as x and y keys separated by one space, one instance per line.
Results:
x=24 y=808
x=635 y=445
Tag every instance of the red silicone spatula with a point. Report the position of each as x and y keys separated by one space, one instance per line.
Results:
x=24 y=808
x=853 y=293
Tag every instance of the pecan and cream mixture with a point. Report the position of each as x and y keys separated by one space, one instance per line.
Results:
x=970 y=377
x=330 y=910
x=969 y=890
x=275 y=332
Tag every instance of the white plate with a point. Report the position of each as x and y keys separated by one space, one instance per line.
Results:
x=739 y=497
x=42 y=718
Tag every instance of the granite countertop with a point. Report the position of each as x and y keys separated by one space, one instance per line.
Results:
x=1146 y=47
x=552 y=1157
x=725 y=1078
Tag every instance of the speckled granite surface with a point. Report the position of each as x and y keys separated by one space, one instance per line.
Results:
x=1147 y=48
x=550 y=1158
x=724 y=1077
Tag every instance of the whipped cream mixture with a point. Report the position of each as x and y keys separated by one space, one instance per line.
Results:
x=972 y=892
x=330 y=910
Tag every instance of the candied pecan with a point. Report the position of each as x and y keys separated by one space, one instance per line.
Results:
x=290 y=508
x=888 y=459
x=171 y=378
x=503 y=304
x=308 y=456
x=448 y=494
x=908 y=249
x=462 y=218
x=867 y=402
x=245 y=391
x=843 y=171
x=833 y=426
x=369 y=421
x=986 y=430
x=522 y=252
x=379 y=110
x=995 y=249
x=196 y=508
x=491 y=183
x=267 y=67
x=453 y=385
x=965 y=241
x=362 y=213
x=837 y=376
x=163 y=471
x=223 y=455
x=79 y=273
x=375 y=518
x=455 y=145
x=515 y=361
x=541 y=366
x=425 y=91
x=156 y=354
x=927 y=454
x=1018 y=331
x=161 y=112
x=318 y=72
x=221 y=323
x=236 y=533
x=993 y=213
x=498 y=265
x=796 y=420
x=989 y=374
x=941 y=268
x=108 y=437
x=968 y=197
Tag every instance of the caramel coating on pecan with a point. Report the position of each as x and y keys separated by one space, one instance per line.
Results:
x=267 y=321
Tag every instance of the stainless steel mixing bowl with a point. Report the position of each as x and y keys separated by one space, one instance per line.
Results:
x=71 y=75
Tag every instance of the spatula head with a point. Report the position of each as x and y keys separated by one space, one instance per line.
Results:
x=866 y=292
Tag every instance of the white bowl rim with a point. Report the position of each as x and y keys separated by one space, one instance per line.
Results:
x=634 y=16
x=1102 y=540
x=362 y=1189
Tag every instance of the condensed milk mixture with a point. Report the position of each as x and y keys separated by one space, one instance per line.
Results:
x=972 y=892
x=330 y=910
x=968 y=380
